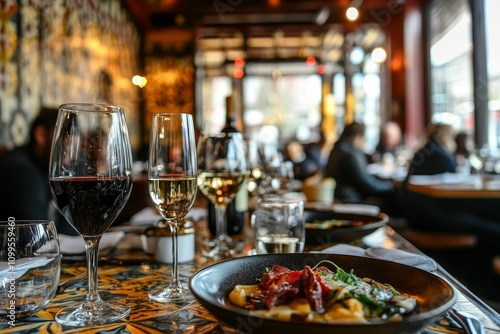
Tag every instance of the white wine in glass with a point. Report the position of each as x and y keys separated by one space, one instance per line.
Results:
x=172 y=176
x=222 y=169
x=90 y=176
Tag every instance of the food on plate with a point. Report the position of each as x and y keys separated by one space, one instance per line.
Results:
x=330 y=223
x=319 y=294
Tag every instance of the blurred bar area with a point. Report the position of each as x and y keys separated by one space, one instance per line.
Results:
x=299 y=72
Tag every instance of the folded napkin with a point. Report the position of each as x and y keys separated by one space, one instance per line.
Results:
x=21 y=266
x=74 y=244
x=394 y=255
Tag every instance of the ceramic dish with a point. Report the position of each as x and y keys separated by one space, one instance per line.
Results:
x=212 y=285
x=351 y=227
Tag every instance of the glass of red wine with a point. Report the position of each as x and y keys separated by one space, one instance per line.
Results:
x=90 y=176
x=172 y=176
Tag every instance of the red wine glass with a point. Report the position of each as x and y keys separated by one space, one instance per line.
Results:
x=90 y=176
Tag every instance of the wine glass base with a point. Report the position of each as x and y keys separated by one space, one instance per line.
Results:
x=219 y=253
x=91 y=314
x=171 y=294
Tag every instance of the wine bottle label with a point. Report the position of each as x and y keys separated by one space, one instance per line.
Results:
x=241 y=198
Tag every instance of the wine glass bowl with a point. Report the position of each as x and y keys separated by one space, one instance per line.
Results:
x=90 y=176
x=30 y=265
x=222 y=169
x=172 y=183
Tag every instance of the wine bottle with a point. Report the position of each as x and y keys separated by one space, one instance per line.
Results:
x=237 y=209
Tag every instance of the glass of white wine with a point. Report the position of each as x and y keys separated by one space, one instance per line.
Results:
x=172 y=177
x=222 y=168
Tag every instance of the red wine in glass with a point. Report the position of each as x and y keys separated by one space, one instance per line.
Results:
x=85 y=200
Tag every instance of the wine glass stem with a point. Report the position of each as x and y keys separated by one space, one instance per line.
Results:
x=174 y=228
x=92 y=250
x=220 y=225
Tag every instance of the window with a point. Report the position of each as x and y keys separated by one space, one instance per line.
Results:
x=451 y=64
x=492 y=8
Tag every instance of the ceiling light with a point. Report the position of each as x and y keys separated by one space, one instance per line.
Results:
x=356 y=55
x=352 y=13
x=379 y=55
x=321 y=17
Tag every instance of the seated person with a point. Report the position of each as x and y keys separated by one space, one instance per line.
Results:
x=25 y=187
x=347 y=165
x=447 y=214
x=389 y=141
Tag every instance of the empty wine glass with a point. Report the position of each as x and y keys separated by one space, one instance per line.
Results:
x=222 y=169
x=256 y=167
x=91 y=178
x=172 y=185
x=30 y=265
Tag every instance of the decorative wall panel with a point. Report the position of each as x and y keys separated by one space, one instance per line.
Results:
x=66 y=51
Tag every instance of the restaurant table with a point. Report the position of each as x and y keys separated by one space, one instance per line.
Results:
x=457 y=186
x=130 y=282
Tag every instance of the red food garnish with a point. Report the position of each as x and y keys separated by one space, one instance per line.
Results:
x=281 y=285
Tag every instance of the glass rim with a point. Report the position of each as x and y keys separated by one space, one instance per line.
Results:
x=170 y=114
x=90 y=107
x=25 y=222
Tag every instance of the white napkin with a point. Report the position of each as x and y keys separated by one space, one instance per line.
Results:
x=21 y=266
x=394 y=255
x=74 y=244
x=148 y=216
x=362 y=209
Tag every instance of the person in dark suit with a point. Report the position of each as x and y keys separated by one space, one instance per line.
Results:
x=24 y=175
x=437 y=154
x=347 y=164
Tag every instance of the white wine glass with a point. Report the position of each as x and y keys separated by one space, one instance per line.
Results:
x=222 y=168
x=90 y=177
x=172 y=177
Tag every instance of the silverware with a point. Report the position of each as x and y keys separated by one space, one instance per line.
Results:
x=469 y=323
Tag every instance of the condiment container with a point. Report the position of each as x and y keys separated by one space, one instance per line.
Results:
x=157 y=240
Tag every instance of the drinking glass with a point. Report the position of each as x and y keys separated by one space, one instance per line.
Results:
x=256 y=167
x=278 y=225
x=172 y=177
x=90 y=176
x=30 y=265
x=222 y=169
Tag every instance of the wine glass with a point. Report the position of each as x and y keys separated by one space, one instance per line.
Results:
x=172 y=176
x=256 y=167
x=90 y=176
x=222 y=169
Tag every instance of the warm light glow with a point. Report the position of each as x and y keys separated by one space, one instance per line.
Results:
x=139 y=81
x=239 y=62
x=310 y=61
x=238 y=73
x=274 y=3
x=379 y=55
x=321 y=69
x=352 y=14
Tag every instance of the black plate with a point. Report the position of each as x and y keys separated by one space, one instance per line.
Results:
x=212 y=285
x=342 y=233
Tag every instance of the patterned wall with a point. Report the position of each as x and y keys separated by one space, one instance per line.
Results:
x=170 y=85
x=59 y=51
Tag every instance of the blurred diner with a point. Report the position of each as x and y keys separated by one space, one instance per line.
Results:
x=347 y=165
x=475 y=216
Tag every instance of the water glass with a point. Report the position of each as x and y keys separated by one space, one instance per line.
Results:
x=278 y=225
x=30 y=265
